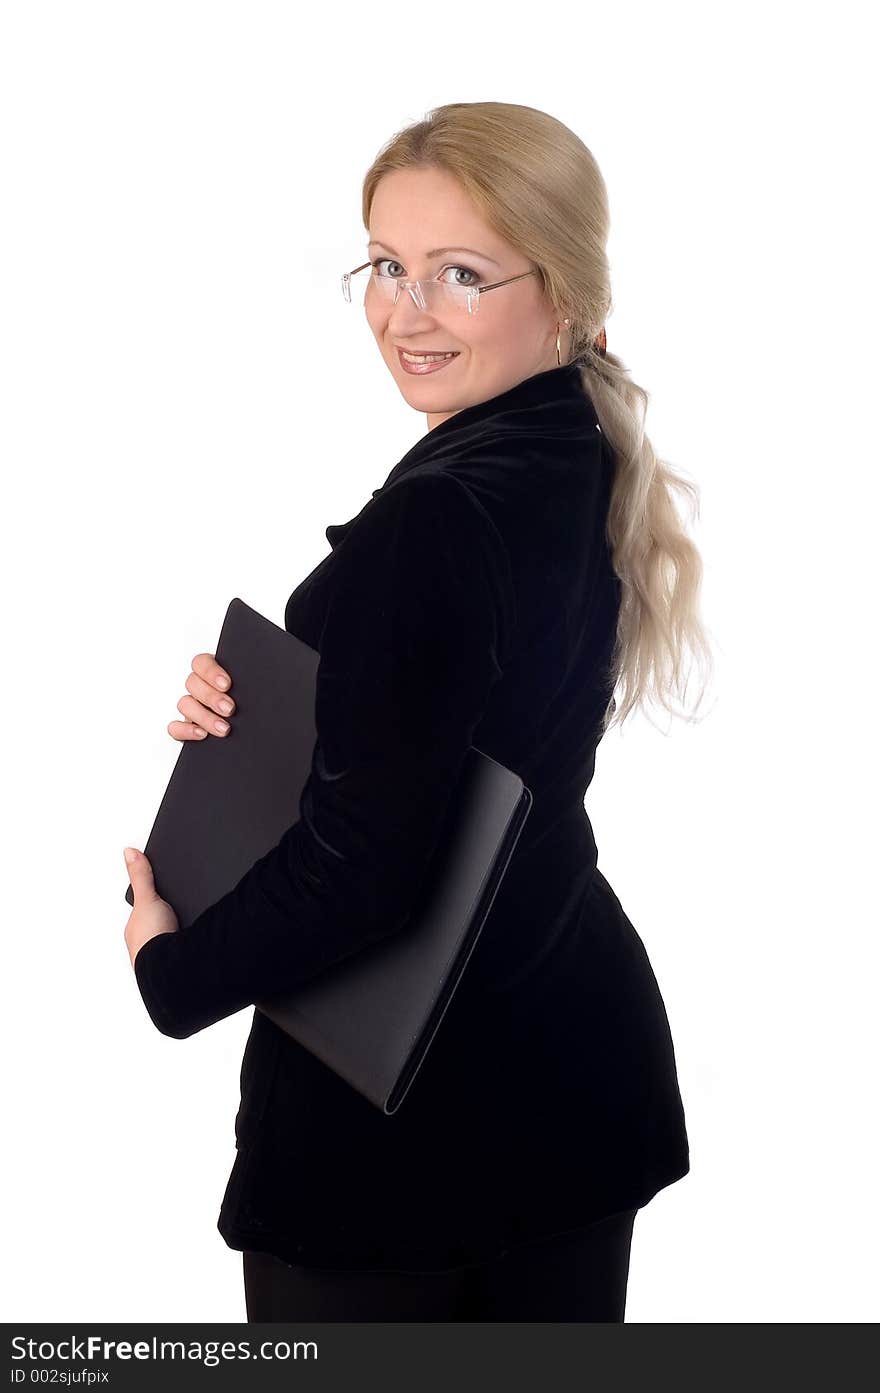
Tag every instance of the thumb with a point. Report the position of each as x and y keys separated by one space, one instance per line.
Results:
x=140 y=873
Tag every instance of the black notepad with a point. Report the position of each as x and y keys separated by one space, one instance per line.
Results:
x=371 y=1017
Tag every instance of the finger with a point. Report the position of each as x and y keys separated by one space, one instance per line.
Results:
x=206 y=665
x=209 y=697
x=140 y=874
x=185 y=730
x=201 y=716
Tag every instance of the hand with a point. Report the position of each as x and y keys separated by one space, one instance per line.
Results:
x=206 y=703
x=151 y=914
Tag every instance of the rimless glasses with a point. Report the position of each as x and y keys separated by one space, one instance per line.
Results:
x=426 y=295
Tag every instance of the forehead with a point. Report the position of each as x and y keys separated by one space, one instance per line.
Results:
x=420 y=210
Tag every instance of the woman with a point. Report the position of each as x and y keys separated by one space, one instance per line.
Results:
x=522 y=562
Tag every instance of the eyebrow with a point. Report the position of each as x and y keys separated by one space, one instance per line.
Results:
x=438 y=251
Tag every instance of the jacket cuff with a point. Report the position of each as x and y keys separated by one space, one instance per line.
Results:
x=149 y=974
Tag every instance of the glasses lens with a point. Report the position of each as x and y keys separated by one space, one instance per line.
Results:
x=368 y=286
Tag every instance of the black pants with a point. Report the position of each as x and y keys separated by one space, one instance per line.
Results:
x=577 y=1276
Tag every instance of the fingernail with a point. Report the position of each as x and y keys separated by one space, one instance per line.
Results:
x=129 y=854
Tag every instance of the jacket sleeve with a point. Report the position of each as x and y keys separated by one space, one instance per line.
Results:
x=414 y=637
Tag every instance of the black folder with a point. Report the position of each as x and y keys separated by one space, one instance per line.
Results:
x=370 y=1017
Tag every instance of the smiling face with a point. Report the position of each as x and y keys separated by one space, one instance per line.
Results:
x=513 y=334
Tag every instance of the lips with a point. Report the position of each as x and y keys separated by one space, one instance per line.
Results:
x=428 y=352
x=426 y=367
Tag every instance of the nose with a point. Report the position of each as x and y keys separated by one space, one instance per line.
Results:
x=413 y=290
x=407 y=308
x=412 y=293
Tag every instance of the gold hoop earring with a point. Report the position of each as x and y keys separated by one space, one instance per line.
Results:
x=558 y=346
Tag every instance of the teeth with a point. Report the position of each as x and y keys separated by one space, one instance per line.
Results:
x=425 y=357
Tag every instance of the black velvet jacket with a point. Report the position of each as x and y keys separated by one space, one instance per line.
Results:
x=472 y=600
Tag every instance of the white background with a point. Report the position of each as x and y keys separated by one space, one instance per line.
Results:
x=187 y=404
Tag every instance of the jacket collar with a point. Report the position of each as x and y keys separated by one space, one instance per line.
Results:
x=552 y=404
x=544 y=414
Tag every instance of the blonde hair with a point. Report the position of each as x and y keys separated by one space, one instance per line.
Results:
x=537 y=185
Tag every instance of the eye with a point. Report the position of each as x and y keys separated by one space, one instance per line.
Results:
x=467 y=271
x=380 y=261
